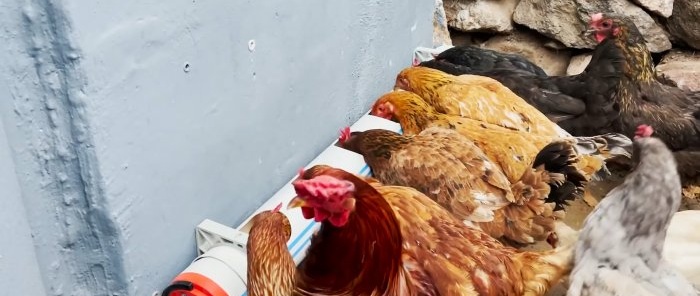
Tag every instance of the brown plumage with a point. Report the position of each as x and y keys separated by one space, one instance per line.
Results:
x=513 y=151
x=271 y=269
x=450 y=169
x=476 y=97
x=540 y=91
x=396 y=241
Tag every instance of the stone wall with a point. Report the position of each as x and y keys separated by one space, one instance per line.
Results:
x=551 y=32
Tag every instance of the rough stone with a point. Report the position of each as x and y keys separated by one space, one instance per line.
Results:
x=661 y=7
x=480 y=15
x=566 y=20
x=578 y=64
x=530 y=46
x=680 y=68
x=441 y=35
x=684 y=22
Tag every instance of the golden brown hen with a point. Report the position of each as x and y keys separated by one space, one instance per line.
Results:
x=477 y=97
x=392 y=240
x=450 y=169
x=513 y=151
x=271 y=269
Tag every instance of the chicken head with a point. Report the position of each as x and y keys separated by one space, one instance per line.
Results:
x=383 y=109
x=344 y=135
x=603 y=27
x=402 y=82
x=643 y=131
x=324 y=198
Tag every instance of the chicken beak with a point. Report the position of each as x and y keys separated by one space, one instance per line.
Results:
x=296 y=202
x=397 y=88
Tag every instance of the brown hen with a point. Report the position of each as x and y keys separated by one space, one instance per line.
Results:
x=271 y=269
x=450 y=169
x=392 y=240
x=513 y=151
x=476 y=97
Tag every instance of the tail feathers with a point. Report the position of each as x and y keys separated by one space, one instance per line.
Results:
x=607 y=145
x=529 y=218
x=543 y=270
x=563 y=235
x=550 y=266
x=606 y=148
x=566 y=181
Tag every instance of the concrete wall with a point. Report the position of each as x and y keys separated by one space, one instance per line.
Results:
x=130 y=121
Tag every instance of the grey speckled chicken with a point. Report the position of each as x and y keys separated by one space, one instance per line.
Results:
x=619 y=251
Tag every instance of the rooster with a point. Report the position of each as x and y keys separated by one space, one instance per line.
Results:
x=619 y=250
x=271 y=269
x=513 y=151
x=450 y=169
x=377 y=239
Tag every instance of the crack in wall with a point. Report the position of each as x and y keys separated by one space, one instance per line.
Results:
x=82 y=235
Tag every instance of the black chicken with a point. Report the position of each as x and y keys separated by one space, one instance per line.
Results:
x=641 y=98
x=580 y=103
x=482 y=59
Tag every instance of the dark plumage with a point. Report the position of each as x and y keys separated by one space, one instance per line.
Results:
x=481 y=59
x=557 y=157
x=638 y=97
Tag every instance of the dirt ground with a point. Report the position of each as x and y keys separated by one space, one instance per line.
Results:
x=577 y=212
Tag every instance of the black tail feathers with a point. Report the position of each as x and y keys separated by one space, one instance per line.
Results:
x=567 y=182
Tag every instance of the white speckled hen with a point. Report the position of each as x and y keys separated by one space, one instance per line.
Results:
x=619 y=251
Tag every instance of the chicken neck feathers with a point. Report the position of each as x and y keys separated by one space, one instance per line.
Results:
x=271 y=269
x=361 y=258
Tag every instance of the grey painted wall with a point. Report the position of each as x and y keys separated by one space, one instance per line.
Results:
x=118 y=149
x=18 y=264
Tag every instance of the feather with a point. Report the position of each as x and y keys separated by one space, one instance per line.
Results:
x=435 y=253
x=622 y=240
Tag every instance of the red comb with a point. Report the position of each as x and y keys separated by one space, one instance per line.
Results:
x=277 y=208
x=643 y=131
x=596 y=17
x=344 y=135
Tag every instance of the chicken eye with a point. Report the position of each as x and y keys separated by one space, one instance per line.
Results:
x=606 y=24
